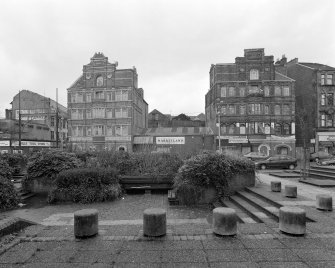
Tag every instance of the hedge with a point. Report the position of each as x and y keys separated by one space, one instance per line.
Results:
x=8 y=195
x=85 y=185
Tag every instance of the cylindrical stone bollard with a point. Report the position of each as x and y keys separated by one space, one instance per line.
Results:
x=85 y=223
x=154 y=222
x=291 y=191
x=224 y=221
x=324 y=202
x=276 y=186
x=292 y=220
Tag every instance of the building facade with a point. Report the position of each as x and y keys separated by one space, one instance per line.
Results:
x=106 y=107
x=32 y=108
x=250 y=106
x=315 y=106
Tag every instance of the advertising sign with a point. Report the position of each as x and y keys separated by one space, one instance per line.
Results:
x=170 y=140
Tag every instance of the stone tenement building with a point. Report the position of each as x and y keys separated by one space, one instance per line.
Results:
x=254 y=105
x=106 y=107
x=315 y=106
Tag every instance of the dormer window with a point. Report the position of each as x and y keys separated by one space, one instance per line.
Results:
x=254 y=74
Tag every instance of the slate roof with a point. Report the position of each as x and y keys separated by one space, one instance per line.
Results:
x=282 y=77
x=317 y=66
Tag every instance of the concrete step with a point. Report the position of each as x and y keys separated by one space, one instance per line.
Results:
x=241 y=215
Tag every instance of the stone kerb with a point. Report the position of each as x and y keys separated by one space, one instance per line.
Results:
x=154 y=222
x=224 y=221
x=275 y=186
x=292 y=220
x=324 y=202
x=85 y=223
x=291 y=191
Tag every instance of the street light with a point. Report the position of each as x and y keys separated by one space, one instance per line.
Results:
x=218 y=113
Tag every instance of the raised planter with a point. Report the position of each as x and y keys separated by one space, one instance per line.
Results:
x=39 y=185
x=197 y=195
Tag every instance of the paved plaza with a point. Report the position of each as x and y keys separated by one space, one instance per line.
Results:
x=189 y=241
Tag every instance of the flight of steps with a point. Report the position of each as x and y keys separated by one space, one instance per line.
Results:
x=322 y=172
x=251 y=207
x=17 y=181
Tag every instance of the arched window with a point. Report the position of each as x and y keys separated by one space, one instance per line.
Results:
x=242 y=129
x=100 y=81
x=231 y=92
x=277 y=109
x=254 y=74
x=231 y=129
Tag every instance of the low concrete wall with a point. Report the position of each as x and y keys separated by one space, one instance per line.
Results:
x=39 y=185
x=240 y=181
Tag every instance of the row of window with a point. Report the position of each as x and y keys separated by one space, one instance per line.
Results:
x=327 y=99
x=257 y=128
x=327 y=79
x=266 y=91
x=61 y=136
x=115 y=95
x=254 y=108
x=61 y=122
x=100 y=130
x=124 y=112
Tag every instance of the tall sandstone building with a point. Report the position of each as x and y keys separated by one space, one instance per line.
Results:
x=106 y=107
x=253 y=104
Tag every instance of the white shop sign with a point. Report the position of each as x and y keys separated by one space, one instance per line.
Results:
x=170 y=140
x=32 y=143
x=238 y=140
x=4 y=143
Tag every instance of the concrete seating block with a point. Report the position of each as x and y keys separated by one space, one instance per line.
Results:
x=154 y=222
x=224 y=221
x=85 y=223
x=276 y=186
x=292 y=220
x=324 y=202
x=291 y=191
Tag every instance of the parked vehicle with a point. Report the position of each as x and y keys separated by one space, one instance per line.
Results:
x=277 y=161
x=327 y=162
x=319 y=156
x=254 y=156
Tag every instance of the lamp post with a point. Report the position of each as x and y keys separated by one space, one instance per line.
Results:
x=218 y=113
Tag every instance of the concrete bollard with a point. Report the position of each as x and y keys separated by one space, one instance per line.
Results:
x=154 y=222
x=292 y=220
x=276 y=186
x=291 y=191
x=85 y=223
x=224 y=221
x=324 y=202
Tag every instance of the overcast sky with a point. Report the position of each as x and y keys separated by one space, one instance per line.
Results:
x=172 y=43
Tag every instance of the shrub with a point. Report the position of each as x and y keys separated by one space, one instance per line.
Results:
x=5 y=170
x=211 y=169
x=8 y=195
x=15 y=161
x=49 y=163
x=85 y=185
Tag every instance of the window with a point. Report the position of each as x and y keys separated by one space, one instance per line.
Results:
x=323 y=79
x=253 y=90
x=330 y=99
x=231 y=129
x=52 y=133
x=259 y=129
x=121 y=130
x=286 y=109
x=88 y=114
x=231 y=92
x=277 y=91
x=73 y=98
x=231 y=109
x=109 y=131
x=323 y=99
x=242 y=109
x=286 y=91
x=224 y=129
x=329 y=79
x=242 y=129
x=99 y=95
x=254 y=74
x=254 y=108
x=100 y=81
x=88 y=131
x=80 y=97
x=329 y=122
x=109 y=96
x=98 y=130
x=77 y=114
x=223 y=110
x=323 y=120
x=109 y=113
x=121 y=95
x=266 y=91
x=98 y=112
x=252 y=128
x=223 y=92
x=277 y=129
x=257 y=108
x=266 y=109
x=267 y=129
x=52 y=121
x=80 y=131
x=242 y=91
x=277 y=109
x=121 y=112
x=286 y=129
x=88 y=97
